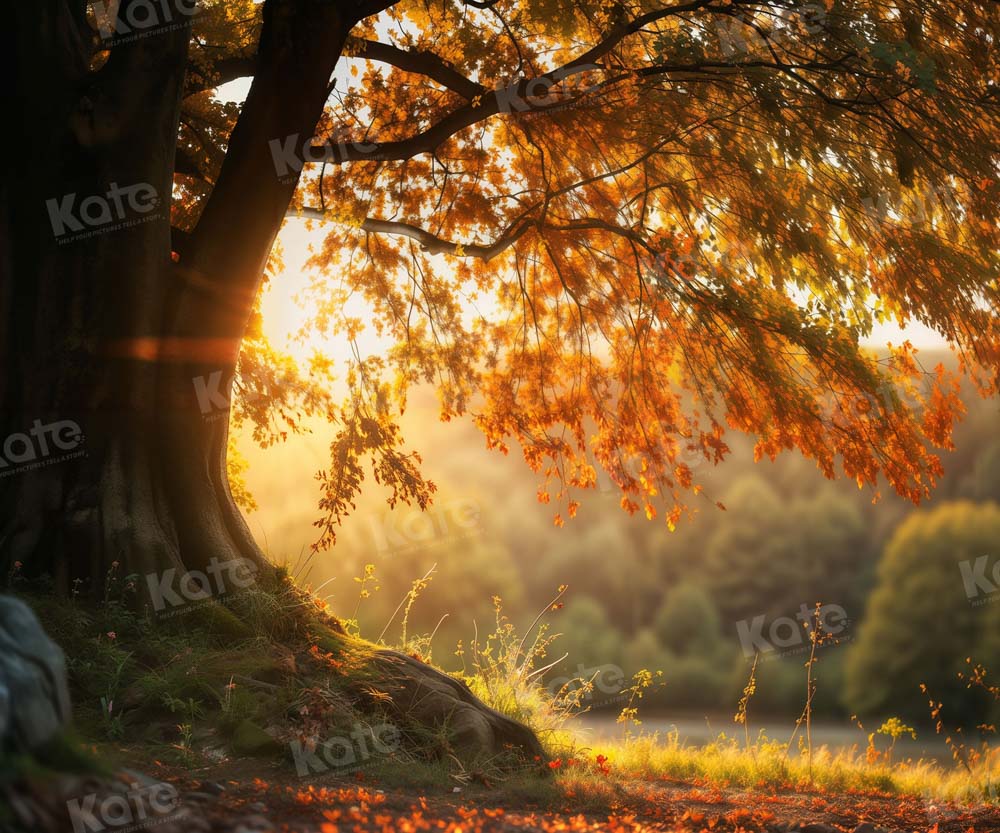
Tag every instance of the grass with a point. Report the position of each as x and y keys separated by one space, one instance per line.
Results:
x=506 y=671
x=196 y=678
x=271 y=658
x=728 y=762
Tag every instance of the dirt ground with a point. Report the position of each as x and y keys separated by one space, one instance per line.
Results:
x=265 y=800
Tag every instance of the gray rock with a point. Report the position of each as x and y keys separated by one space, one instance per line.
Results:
x=34 y=696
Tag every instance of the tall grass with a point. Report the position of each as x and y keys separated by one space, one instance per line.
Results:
x=507 y=671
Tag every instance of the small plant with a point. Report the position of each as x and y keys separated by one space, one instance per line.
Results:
x=748 y=692
x=14 y=574
x=114 y=728
x=506 y=672
x=963 y=754
x=227 y=697
x=817 y=638
x=641 y=681
x=418 y=587
x=110 y=581
x=894 y=728
x=191 y=711
x=366 y=578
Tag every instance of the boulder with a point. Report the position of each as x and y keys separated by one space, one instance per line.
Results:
x=34 y=695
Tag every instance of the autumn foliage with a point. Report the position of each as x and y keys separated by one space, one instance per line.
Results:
x=610 y=232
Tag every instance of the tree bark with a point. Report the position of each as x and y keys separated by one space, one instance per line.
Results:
x=119 y=355
x=113 y=430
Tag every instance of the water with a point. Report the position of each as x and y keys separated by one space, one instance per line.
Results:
x=698 y=730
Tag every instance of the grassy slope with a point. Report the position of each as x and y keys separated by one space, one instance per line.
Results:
x=181 y=690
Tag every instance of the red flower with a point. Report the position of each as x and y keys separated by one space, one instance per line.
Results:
x=555 y=764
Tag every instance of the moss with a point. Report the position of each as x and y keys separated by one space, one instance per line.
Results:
x=256 y=661
x=63 y=754
x=212 y=668
x=219 y=621
x=249 y=739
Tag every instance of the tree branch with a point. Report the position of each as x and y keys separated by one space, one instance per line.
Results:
x=514 y=96
x=420 y=62
x=222 y=72
x=428 y=241
x=437 y=245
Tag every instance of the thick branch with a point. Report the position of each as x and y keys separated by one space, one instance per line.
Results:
x=222 y=72
x=299 y=47
x=520 y=95
x=420 y=62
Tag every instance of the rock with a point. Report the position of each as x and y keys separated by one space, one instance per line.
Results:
x=34 y=696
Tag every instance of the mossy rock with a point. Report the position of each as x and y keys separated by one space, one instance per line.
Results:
x=249 y=739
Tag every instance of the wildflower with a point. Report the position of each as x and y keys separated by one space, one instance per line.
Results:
x=555 y=764
x=112 y=635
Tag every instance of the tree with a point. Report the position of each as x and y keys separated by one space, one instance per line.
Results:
x=608 y=231
x=929 y=612
x=753 y=561
x=688 y=624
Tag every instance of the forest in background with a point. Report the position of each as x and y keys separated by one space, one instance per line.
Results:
x=696 y=603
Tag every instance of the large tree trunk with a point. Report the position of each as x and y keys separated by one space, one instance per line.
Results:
x=113 y=432
x=102 y=329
